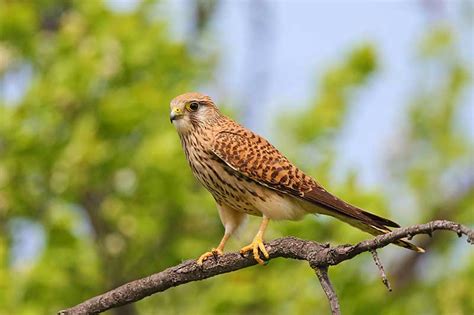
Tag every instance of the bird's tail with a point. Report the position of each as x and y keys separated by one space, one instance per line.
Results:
x=321 y=201
x=380 y=229
x=374 y=225
x=363 y=220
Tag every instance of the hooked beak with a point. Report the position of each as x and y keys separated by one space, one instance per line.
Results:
x=175 y=114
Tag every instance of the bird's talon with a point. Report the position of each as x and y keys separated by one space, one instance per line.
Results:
x=254 y=247
x=215 y=252
x=263 y=250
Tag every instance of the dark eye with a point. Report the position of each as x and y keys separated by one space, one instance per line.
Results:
x=193 y=106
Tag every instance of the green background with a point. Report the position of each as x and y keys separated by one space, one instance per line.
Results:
x=89 y=157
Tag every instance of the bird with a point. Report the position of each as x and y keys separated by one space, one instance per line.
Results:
x=247 y=175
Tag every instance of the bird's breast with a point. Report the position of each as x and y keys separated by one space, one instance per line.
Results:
x=235 y=190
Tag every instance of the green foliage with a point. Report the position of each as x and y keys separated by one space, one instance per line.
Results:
x=89 y=154
x=88 y=157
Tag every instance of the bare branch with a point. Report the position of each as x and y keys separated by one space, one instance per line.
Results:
x=319 y=256
x=322 y=273
x=379 y=265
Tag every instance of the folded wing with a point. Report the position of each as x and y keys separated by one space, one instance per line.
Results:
x=255 y=158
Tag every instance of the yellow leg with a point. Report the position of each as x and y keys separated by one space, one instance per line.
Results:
x=215 y=251
x=257 y=243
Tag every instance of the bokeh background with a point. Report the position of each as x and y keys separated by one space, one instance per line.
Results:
x=373 y=98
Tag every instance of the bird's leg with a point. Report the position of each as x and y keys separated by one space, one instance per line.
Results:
x=257 y=243
x=215 y=251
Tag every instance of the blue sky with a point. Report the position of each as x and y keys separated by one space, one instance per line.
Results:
x=311 y=36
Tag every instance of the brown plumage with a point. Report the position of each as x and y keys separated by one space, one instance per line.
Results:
x=247 y=175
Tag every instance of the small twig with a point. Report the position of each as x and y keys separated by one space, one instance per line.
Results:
x=322 y=273
x=379 y=265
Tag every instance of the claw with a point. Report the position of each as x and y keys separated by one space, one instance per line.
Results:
x=215 y=252
x=254 y=247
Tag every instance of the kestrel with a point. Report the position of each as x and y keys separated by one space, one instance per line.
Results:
x=247 y=175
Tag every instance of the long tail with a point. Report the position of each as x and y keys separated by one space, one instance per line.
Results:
x=325 y=203
x=378 y=229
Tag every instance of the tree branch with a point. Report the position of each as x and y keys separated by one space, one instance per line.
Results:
x=322 y=273
x=319 y=256
x=379 y=265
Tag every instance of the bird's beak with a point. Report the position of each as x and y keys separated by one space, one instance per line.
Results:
x=175 y=114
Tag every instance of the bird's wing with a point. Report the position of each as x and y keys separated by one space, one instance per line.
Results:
x=255 y=158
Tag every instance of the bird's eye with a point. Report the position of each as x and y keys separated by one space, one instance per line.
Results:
x=193 y=106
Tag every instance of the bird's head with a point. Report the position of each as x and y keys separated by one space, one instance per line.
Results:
x=191 y=110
